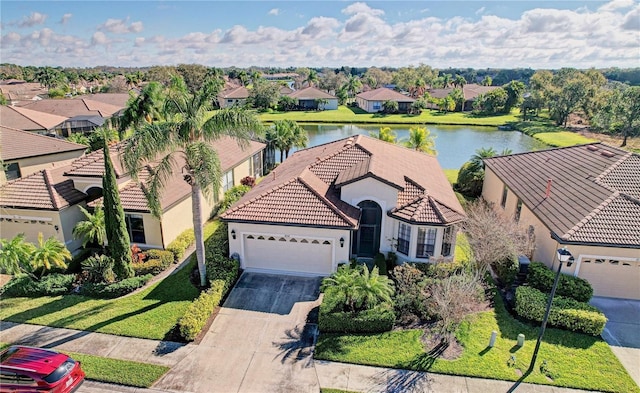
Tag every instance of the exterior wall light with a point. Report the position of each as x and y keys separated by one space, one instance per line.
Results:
x=341 y=242
x=233 y=234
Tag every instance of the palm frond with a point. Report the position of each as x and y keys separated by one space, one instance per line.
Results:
x=204 y=166
x=146 y=144
x=154 y=186
x=234 y=122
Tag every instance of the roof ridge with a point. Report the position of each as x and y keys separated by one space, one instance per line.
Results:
x=434 y=204
x=592 y=214
x=598 y=179
x=259 y=196
x=48 y=183
x=324 y=199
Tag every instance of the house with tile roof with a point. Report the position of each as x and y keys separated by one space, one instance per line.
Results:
x=350 y=198
x=24 y=152
x=235 y=96
x=373 y=101
x=314 y=99
x=48 y=201
x=29 y=120
x=585 y=198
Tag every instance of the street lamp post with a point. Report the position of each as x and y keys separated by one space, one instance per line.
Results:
x=563 y=256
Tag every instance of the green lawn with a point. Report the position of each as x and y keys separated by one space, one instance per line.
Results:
x=151 y=313
x=355 y=115
x=451 y=174
x=562 y=138
x=574 y=360
x=124 y=372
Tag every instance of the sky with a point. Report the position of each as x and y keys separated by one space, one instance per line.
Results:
x=477 y=34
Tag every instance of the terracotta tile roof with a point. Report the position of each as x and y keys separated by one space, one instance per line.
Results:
x=384 y=94
x=416 y=175
x=73 y=107
x=92 y=164
x=47 y=189
x=594 y=192
x=230 y=154
x=426 y=210
x=311 y=93
x=29 y=120
x=240 y=92
x=16 y=144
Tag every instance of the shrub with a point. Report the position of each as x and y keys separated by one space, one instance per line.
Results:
x=381 y=262
x=358 y=288
x=380 y=318
x=541 y=277
x=410 y=298
x=565 y=313
x=75 y=266
x=507 y=269
x=166 y=257
x=151 y=266
x=99 y=269
x=441 y=268
x=248 y=181
x=199 y=311
x=181 y=243
x=110 y=291
x=50 y=285
x=232 y=196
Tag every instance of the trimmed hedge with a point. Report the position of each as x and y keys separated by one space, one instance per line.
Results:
x=375 y=320
x=157 y=261
x=50 y=285
x=199 y=311
x=565 y=313
x=541 y=277
x=117 y=289
x=181 y=243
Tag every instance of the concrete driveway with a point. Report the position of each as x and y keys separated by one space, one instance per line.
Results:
x=259 y=342
x=621 y=331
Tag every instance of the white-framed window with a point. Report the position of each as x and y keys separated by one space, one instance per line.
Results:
x=227 y=181
x=404 y=236
x=376 y=105
x=426 y=242
x=256 y=165
x=447 y=240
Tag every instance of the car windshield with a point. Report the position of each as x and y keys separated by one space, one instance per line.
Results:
x=8 y=353
x=61 y=371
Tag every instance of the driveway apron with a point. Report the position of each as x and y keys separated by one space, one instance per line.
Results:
x=260 y=341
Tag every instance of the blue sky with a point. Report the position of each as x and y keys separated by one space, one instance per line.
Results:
x=479 y=34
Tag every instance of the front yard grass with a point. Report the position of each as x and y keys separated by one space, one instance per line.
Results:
x=573 y=360
x=151 y=313
x=355 y=115
x=562 y=138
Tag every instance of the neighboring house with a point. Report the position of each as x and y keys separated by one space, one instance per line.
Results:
x=236 y=96
x=372 y=101
x=23 y=153
x=17 y=91
x=29 y=120
x=350 y=198
x=311 y=97
x=470 y=91
x=586 y=198
x=48 y=201
x=82 y=124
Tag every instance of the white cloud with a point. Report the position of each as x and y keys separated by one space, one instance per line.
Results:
x=632 y=20
x=480 y=10
x=120 y=26
x=274 y=12
x=616 y=5
x=65 y=18
x=35 y=18
x=361 y=8
x=99 y=38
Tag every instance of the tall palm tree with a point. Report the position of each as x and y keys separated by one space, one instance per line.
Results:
x=48 y=253
x=183 y=143
x=312 y=78
x=446 y=80
x=285 y=135
x=420 y=139
x=459 y=81
x=146 y=107
x=92 y=229
x=385 y=134
x=15 y=255
x=353 y=85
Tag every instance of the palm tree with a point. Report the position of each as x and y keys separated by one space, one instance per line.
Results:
x=146 y=107
x=48 y=253
x=459 y=81
x=186 y=139
x=285 y=135
x=385 y=134
x=93 y=228
x=420 y=139
x=344 y=282
x=372 y=288
x=487 y=81
x=15 y=255
x=312 y=78
x=353 y=85
x=446 y=80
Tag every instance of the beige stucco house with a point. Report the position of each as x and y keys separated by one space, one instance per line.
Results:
x=350 y=198
x=313 y=98
x=23 y=153
x=586 y=198
x=373 y=101
x=235 y=96
x=48 y=200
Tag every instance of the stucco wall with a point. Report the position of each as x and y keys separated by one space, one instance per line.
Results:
x=341 y=254
x=331 y=105
x=368 y=105
x=178 y=219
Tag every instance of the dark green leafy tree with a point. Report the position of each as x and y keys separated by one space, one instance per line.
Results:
x=471 y=174
x=114 y=221
x=285 y=135
x=620 y=113
x=390 y=106
x=264 y=95
x=514 y=90
x=186 y=138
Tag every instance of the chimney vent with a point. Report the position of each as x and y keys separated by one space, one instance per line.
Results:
x=548 y=192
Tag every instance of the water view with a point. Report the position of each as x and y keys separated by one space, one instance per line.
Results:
x=455 y=144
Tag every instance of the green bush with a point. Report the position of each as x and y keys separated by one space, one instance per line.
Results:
x=507 y=269
x=232 y=196
x=75 y=265
x=181 y=243
x=541 y=277
x=99 y=269
x=199 y=311
x=166 y=257
x=157 y=262
x=410 y=298
x=381 y=262
x=380 y=318
x=565 y=313
x=110 y=291
x=440 y=269
x=50 y=285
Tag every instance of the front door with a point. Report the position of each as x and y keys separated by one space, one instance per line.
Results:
x=366 y=240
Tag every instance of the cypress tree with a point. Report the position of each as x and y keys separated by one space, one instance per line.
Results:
x=114 y=221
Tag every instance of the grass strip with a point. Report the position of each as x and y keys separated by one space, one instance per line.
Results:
x=562 y=138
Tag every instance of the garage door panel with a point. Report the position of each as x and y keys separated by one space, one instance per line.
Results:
x=612 y=276
x=289 y=254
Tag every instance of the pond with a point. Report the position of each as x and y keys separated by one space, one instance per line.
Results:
x=455 y=144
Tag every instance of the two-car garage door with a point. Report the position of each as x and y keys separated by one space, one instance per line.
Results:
x=612 y=276
x=288 y=254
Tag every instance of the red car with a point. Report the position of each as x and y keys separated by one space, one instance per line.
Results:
x=27 y=369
